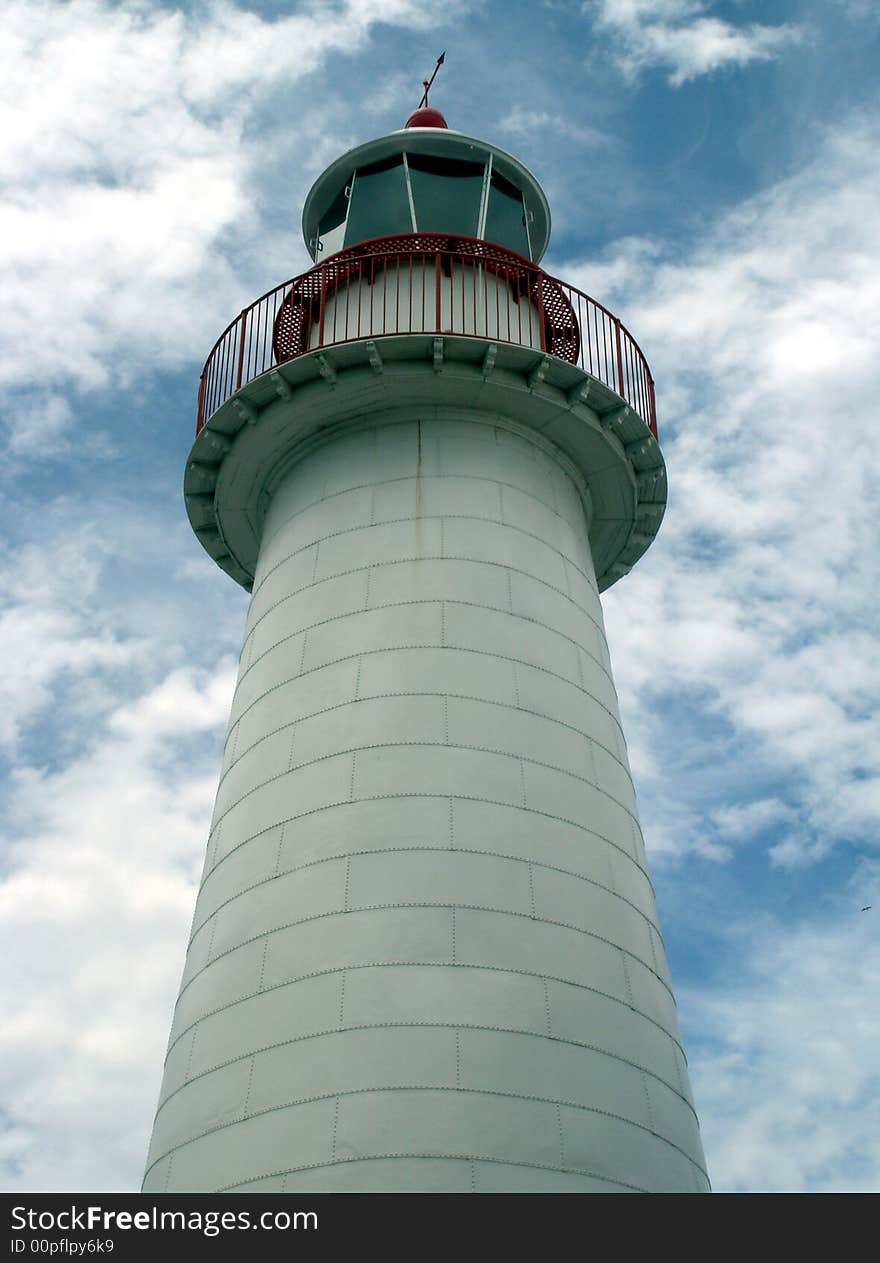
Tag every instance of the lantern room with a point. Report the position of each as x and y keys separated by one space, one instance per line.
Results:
x=426 y=179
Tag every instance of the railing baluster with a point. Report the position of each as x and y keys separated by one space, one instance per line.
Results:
x=384 y=297
x=568 y=321
x=242 y=328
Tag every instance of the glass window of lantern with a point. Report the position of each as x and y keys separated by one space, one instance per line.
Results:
x=506 y=215
x=379 y=201
x=446 y=193
x=331 y=230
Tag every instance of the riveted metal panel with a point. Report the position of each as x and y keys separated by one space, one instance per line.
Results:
x=425 y=953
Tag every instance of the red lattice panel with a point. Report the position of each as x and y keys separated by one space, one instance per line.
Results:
x=301 y=307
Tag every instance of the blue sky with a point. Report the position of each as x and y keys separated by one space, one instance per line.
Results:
x=712 y=172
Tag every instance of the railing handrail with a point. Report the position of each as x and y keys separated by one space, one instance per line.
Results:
x=407 y=246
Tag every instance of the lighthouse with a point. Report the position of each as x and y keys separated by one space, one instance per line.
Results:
x=425 y=954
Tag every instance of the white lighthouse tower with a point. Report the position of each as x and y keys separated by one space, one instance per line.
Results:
x=425 y=952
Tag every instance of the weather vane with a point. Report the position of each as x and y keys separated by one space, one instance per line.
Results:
x=426 y=83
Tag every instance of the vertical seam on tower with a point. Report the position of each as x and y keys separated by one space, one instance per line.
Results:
x=211 y=939
x=351 y=782
x=250 y=654
x=531 y=890
x=451 y=825
x=509 y=590
x=347 y=881
x=453 y=936
x=263 y=963
x=522 y=781
x=561 y=1139
x=192 y=1044
x=653 y=950
x=547 y=1005
x=609 y=868
x=637 y=850
x=357 y=680
x=445 y=719
x=458 y=1059
x=443 y=624
x=216 y=841
x=335 y=1124
x=629 y=992
x=247 y=1097
x=647 y=1101
x=515 y=685
x=473 y=1179
x=591 y=750
x=342 y=998
x=678 y=1073
x=280 y=847
x=501 y=502
x=367 y=589
x=168 y=1172
x=292 y=741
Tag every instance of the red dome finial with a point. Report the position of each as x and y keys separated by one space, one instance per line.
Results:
x=426 y=116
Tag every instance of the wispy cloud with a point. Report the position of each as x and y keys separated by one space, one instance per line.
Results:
x=524 y=122
x=756 y=610
x=95 y=902
x=785 y=1065
x=683 y=37
x=121 y=129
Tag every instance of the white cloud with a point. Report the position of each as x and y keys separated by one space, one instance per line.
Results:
x=683 y=38
x=48 y=630
x=784 y=1067
x=114 y=750
x=94 y=907
x=757 y=607
x=746 y=820
x=126 y=143
x=523 y=122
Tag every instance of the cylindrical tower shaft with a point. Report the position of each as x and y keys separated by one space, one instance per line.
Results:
x=425 y=952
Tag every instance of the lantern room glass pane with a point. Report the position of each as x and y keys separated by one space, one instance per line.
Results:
x=331 y=230
x=379 y=202
x=505 y=215
x=446 y=194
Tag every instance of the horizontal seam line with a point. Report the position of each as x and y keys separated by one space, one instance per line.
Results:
x=445 y=903
x=426 y=850
x=387 y=482
x=427 y=517
x=402 y=561
x=453 y=1157
x=414 y=1025
x=422 y=964
x=360 y=612
x=491 y=802
x=440 y=1087
x=459 y=697
x=363 y=653
x=422 y=745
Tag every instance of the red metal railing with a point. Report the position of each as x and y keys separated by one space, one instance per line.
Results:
x=426 y=283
